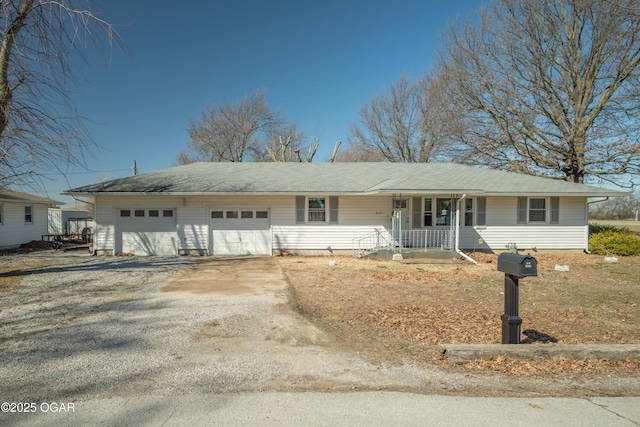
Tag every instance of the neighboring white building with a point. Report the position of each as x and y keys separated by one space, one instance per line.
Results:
x=23 y=217
x=267 y=208
x=68 y=221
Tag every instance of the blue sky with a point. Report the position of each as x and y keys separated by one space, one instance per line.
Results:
x=318 y=60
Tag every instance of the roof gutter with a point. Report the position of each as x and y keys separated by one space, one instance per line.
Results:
x=457 y=245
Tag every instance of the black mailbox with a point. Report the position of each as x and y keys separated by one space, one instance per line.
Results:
x=517 y=265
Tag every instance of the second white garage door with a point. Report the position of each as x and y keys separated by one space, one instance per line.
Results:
x=240 y=232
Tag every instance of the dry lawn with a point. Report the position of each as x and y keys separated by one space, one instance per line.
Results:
x=393 y=311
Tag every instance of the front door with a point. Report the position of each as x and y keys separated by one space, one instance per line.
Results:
x=401 y=220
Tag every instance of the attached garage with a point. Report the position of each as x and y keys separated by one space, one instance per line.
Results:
x=240 y=232
x=148 y=232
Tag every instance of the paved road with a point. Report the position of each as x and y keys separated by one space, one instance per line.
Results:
x=333 y=409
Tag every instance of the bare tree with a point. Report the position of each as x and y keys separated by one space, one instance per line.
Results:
x=405 y=125
x=39 y=126
x=232 y=132
x=549 y=87
x=284 y=143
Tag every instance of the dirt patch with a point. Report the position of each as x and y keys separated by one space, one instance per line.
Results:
x=228 y=277
x=392 y=312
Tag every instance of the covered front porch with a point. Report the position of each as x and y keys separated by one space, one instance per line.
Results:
x=427 y=223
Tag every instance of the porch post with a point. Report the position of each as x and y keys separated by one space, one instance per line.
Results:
x=457 y=227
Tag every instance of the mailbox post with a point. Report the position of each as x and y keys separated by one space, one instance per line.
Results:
x=514 y=267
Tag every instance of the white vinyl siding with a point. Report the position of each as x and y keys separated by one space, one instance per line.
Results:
x=14 y=231
x=318 y=238
x=503 y=228
x=358 y=216
x=495 y=220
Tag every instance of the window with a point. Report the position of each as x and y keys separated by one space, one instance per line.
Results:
x=154 y=213
x=428 y=212
x=538 y=210
x=262 y=214
x=167 y=213
x=246 y=214
x=443 y=211
x=217 y=215
x=317 y=210
x=400 y=204
x=468 y=212
x=139 y=212
x=28 y=217
x=0 y=213
x=232 y=214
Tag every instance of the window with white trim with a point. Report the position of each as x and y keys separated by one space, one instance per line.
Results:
x=428 y=212
x=441 y=211
x=538 y=210
x=468 y=212
x=28 y=214
x=316 y=210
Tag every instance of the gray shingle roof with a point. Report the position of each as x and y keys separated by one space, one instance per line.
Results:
x=7 y=195
x=337 y=178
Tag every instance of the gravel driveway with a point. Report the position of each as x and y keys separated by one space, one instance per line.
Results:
x=78 y=327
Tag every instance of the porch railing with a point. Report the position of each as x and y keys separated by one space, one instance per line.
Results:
x=424 y=239
x=372 y=242
x=403 y=239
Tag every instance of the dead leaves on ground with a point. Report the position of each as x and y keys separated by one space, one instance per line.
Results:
x=556 y=366
x=424 y=275
x=433 y=325
x=402 y=310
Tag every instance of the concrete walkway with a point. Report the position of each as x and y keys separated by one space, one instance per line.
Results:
x=337 y=409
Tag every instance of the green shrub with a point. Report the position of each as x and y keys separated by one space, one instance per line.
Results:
x=614 y=242
x=596 y=228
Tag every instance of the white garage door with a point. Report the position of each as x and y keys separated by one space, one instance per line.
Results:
x=240 y=232
x=148 y=231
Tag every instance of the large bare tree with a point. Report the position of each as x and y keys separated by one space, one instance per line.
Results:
x=407 y=124
x=549 y=87
x=236 y=131
x=42 y=43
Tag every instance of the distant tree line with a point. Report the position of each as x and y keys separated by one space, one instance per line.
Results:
x=616 y=208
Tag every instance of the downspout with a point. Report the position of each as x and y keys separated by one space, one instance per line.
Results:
x=457 y=246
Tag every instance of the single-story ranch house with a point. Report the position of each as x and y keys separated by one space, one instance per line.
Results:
x=315 y=208
x=23 y=217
